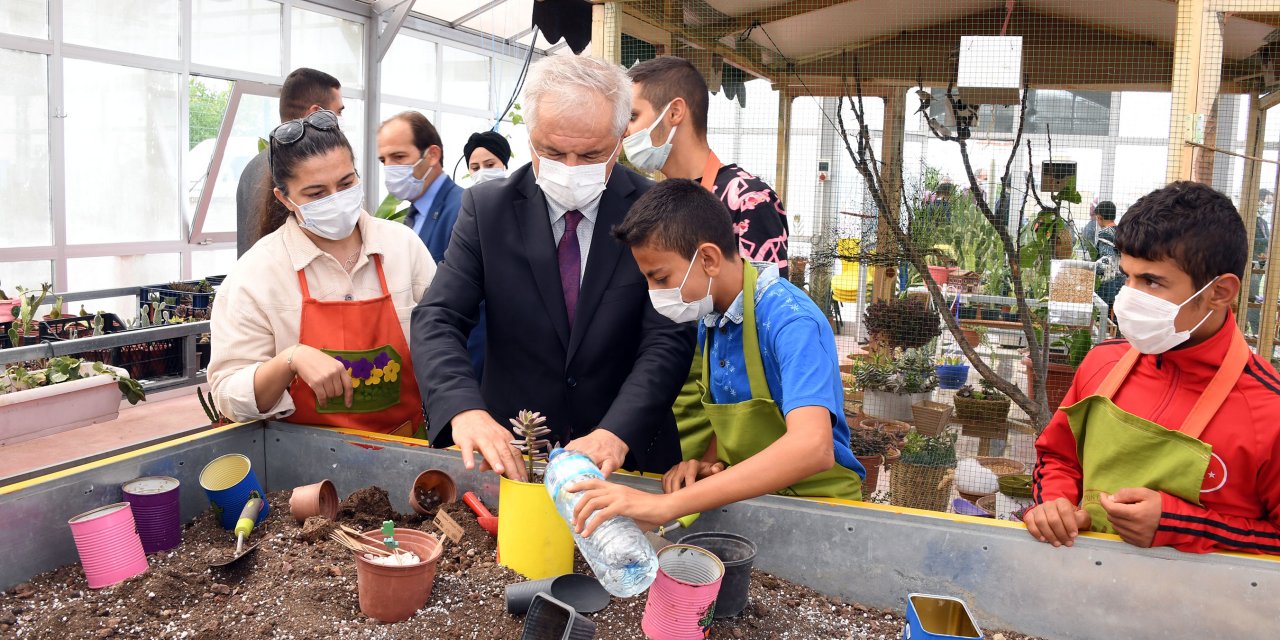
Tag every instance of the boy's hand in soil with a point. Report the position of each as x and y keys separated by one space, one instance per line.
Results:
x=602 y=500
x=605 y=449
x=1057 y=522
x=476 y=431
x=688 y=472
x=1135 y=514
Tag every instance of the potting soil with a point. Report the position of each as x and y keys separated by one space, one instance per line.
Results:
x=299 y=584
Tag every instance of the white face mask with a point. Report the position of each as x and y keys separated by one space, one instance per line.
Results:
x=572 y=187
x=640 y=149
x=333 y=217
x=670 y=303
x=1147 y=322
x=484 y=175
x=400 y=180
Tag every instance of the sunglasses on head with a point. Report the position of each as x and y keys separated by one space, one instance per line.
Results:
x=293 y=130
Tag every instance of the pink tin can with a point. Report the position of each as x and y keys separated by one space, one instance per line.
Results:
x=682 y=600
x=108 y=543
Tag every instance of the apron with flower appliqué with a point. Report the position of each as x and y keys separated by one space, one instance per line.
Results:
x=1118 y=449
x=366 y=337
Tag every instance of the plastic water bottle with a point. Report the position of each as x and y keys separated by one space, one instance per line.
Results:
x=618 y=552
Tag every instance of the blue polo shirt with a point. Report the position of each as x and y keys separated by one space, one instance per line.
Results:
x=798 y=350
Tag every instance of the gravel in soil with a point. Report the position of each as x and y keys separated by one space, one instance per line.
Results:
x=299 y=584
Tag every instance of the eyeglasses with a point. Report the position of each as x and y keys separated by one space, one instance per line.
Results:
x=293 y=130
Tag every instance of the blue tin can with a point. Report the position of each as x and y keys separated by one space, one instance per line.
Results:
x=229 y=482
x=930 y=617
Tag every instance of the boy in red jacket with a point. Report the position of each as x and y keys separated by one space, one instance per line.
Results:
x=1171 y=436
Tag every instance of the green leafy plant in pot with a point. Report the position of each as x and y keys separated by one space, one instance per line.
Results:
x=923 y=476
x=893 y=381
x=871 y=447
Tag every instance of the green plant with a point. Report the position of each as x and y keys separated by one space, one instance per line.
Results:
x=26 y=311
x=206 y=403
x=902 y=323
x=953 y=361
x=1076 y=344
x=910 y=371
x=65 y=369
x=56 y=312
x=870 y=442
x=930 y=451
x=530 y=427
x=988 y=392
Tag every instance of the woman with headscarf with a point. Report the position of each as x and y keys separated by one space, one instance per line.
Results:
x=487 y=154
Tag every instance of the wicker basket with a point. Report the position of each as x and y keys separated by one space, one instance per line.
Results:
x=1002 y=466
x=920 y=487
x=983 y=418
x=930 y=417
x=987 y=503
x=896 y=428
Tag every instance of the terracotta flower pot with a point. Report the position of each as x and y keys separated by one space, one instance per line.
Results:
x=872 y=465
x=393 y=593
x=431 y=489
x=319 y=499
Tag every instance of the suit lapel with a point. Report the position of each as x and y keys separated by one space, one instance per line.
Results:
x=603 y=257
x=540 y=249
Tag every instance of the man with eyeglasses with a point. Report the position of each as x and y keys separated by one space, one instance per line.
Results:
x=305 y=92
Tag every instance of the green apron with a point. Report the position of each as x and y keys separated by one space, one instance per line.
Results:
x=691 y=420
x=744 y=429
x=1118 y=449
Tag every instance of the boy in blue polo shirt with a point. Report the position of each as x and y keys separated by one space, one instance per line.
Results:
x=771 y=377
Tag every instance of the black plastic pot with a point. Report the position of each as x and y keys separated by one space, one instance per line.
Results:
x=583 y=593
x=550 y=619
x=737 y=554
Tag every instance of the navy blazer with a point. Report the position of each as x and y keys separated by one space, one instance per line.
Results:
x=441 y=216
x=620 y=367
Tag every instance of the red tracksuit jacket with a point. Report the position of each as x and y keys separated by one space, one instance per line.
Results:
x=1240 y=496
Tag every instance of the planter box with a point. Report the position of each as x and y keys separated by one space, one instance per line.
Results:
x=47 y=410
x=196 y=305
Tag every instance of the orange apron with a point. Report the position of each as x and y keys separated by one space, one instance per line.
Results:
x=364 y=335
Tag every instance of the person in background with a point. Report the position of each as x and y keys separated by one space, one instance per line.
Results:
x=1171 y=436
x=305 y=92
x=1089 y=235
x=412 y=154
x=1110 y=279
x=571 y=332
x=1261 y=244
x=487 y=154
x=773 y=389
x=668 y=133
x=283 y=343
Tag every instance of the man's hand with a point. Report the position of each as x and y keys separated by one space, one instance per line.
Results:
x=605 y=449
x=476 y=431
x=602 y=500
x=1057 y=522
x=1135 y=514
x=688 y=472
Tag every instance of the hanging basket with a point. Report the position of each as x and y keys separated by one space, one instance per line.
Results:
x=983 y=418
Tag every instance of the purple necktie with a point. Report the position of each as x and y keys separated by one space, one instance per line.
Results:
x=570 y=257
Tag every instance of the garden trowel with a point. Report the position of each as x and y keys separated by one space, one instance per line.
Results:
x=658 y=538
x=244 y=526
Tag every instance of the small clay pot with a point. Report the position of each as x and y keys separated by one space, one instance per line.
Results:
x=390 y=593
x=872 y=466
x=319 y=499
x=434 y=487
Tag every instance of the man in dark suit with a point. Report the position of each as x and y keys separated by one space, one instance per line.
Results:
x=571 y=331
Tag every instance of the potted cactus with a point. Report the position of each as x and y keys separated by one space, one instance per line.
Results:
x=532 y=537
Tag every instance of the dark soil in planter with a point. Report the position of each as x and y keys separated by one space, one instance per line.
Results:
x=299 y=584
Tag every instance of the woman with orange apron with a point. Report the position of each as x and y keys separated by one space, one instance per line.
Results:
x=311 y=325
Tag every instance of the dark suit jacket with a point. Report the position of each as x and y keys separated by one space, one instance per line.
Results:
x=619 y=369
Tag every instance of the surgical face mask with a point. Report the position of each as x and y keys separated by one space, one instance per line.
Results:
x=333 y=217
x=572 y=187
x=400 y=180
x=484 y=175
x=640 y=149
x=1147 y=322
x=670 y=302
